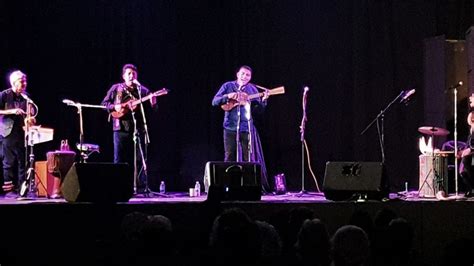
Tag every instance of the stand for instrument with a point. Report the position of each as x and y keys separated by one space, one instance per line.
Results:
x=28 y=187
x=302 y=139
x=432 y=170
x=249 y=126
x=138 y=148
x=303 y=191
x=456 y=170
x=379 y=120
x=237 y=135
x=82 y=150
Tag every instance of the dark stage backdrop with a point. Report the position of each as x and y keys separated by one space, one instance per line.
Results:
x=355 y=56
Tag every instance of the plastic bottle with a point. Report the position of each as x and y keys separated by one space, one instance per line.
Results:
x=197 y=189
x=162 y=187
x=66 y=145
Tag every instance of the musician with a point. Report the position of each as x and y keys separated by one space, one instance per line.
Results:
x=237 y=92
x=13 y=106
x=467 y=161
x=122 y=115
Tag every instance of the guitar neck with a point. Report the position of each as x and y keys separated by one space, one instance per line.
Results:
x=143 y=99
x=256 y=95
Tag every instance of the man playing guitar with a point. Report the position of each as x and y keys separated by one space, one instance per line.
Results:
x=237 y=100
x=119 y=102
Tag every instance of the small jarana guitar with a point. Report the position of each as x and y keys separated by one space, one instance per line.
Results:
x=233 y=103
x=134 y=103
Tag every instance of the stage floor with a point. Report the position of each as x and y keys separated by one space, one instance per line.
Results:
x=291 y=197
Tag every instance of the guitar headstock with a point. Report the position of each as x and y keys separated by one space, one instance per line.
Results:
x=161 y=92
x=278 y=90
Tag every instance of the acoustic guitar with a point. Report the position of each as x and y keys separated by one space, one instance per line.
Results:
x=133 y=103
x=233 y=103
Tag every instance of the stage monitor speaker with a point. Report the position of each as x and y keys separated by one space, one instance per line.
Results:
x=353 y=180
x=234 y=181
x=98 y=182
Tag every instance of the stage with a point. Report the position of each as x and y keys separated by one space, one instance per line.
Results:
x=56 y=230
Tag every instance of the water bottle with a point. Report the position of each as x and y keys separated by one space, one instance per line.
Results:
x=197 y=189
x=66 y=145
x=162 y=187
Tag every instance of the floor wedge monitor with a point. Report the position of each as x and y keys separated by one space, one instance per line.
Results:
x=98 y=182
x=354 y=180
x=234 y=181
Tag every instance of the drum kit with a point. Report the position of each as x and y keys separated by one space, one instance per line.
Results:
x=438 y=169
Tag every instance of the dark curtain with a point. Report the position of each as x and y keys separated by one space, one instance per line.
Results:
x=355 y=56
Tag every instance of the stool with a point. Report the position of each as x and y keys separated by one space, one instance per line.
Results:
x=58 y=163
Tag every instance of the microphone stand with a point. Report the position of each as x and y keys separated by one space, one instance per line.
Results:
x=456 y=170
x=237 y=135
x=302 y=139
x=379 y=119
x=81 y=126
x=143 y=154
x=249 y=123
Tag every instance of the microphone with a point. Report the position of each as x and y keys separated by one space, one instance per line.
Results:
x=407 y=95
x=26 y=97
x=457 y=85
x=68 y=102
x=305 y=95
x=135 y=81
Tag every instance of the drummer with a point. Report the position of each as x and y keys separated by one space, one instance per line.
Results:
x=467 y=163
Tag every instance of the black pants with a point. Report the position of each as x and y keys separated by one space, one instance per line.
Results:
x=14 y=168
x=124 y=152
x=467 y=171
x=230 y=145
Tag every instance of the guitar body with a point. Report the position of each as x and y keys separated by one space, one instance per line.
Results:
x=231 y=104
x=123 y=111
x=133 y=103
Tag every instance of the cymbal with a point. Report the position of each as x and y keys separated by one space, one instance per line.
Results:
x=435 y=131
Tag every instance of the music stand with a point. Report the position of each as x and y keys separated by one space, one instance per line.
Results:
x=33 y=135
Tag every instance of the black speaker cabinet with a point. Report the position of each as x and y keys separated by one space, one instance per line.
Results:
x=349 y=180
x=234 y=181
x=98 y=182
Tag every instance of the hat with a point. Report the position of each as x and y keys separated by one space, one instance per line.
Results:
x=16 y=75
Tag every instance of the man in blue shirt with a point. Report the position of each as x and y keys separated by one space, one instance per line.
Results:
x=239 y=98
